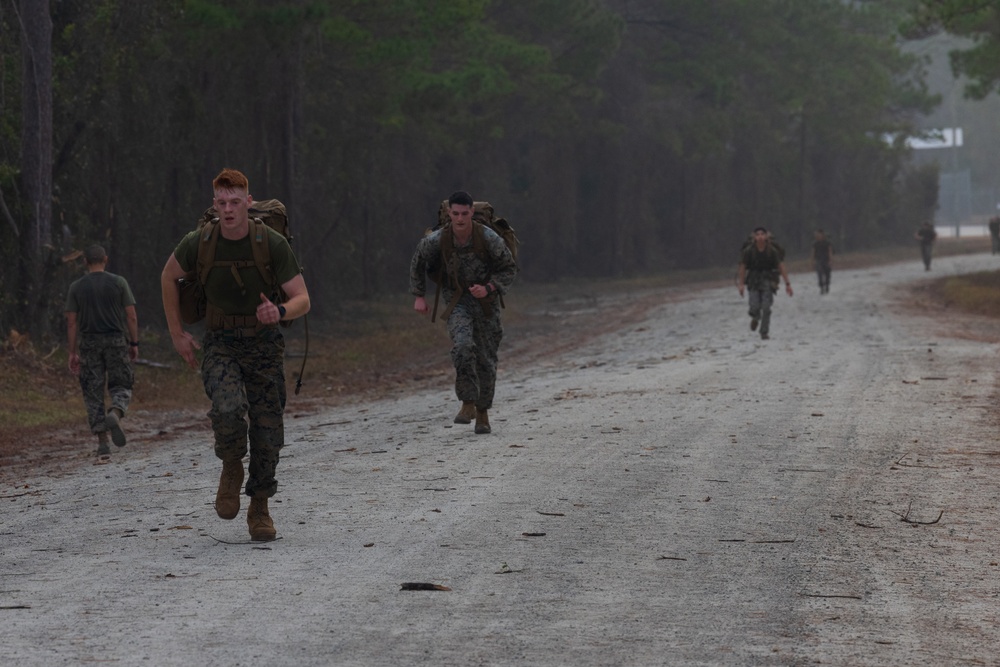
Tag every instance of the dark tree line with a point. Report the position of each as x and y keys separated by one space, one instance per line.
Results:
x=619 y=136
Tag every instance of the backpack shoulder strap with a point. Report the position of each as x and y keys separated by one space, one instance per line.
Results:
x=479 y=242
x=261 y=249
x=259 y=244
x=447 y=252
x=447 y=241
x=207 y=241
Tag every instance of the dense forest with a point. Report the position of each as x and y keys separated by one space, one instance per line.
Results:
x=620 y=137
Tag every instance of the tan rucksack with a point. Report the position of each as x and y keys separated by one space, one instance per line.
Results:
x=269 y=212
x=482 y=213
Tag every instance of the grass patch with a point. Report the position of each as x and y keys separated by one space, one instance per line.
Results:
x=976 y=293
x=31 y=400
x=369 y=345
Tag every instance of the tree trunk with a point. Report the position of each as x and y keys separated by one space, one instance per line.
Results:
x=36 y=158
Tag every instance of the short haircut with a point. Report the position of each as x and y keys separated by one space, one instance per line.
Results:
x=95 y=254
x=231 y=179
x=461 y=197
x=759 y=229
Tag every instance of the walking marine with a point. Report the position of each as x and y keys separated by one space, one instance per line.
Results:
x=760 y=267
x=243 y=365
x=822 y=256
x=102 y=331
x=475 y=269
x=926 y=235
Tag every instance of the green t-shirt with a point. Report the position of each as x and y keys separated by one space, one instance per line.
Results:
x=221 y=288
x=99 y=300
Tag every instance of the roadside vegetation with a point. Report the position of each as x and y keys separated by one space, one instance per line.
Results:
x=977 y=293
x=603 y=130
x=380 y=344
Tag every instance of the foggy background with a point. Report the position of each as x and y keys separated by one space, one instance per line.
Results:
x=619 y=137
x=969 y=179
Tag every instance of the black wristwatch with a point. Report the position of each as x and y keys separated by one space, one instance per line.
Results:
x=281 y=311
x=133 y=343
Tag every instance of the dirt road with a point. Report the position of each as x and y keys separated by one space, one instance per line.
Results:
x=675 y=492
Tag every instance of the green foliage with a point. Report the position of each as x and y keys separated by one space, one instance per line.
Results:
x=618 y=136
x=975 y=19
x=977 y=293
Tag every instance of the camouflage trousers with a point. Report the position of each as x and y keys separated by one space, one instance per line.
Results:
x=761 y=301
x=823 y=273
x=925 y=254
x=245 y=380
x=104 y=360
x=475 y=340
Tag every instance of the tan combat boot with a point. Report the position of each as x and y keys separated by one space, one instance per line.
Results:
x=466 y=414
x=259 y=521
x=482 y=422
x=113 y=422
x=227 y=499
x=102 y=444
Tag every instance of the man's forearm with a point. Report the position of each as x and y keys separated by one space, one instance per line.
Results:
x=297 y=306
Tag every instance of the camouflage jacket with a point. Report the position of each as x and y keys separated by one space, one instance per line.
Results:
x=497 y=267
x=762 y=267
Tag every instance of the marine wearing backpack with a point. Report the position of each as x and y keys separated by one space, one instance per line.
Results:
x=473 y=267
x=444 y=271
x=762 y=266
x=268 y=213
x=760 y=270
x=265 y=215
x=242 y=349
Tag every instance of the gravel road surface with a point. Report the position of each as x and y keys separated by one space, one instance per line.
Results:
x=675 y=492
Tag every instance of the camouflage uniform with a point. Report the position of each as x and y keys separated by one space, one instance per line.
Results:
x=99 y=300
x=243 y=366
x=762 y=282
x=245 y=376
x=104 y=356
x=475 y=328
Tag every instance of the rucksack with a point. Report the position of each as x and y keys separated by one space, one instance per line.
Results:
x=777 y=247
x=772 y=250
x=482 y=213
x=269 y=212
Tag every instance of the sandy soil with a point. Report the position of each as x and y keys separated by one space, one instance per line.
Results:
x=661 y=487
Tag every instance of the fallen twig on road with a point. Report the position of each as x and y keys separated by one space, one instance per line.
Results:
x=907 y=519
x=26 y=493
x=910 y=465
